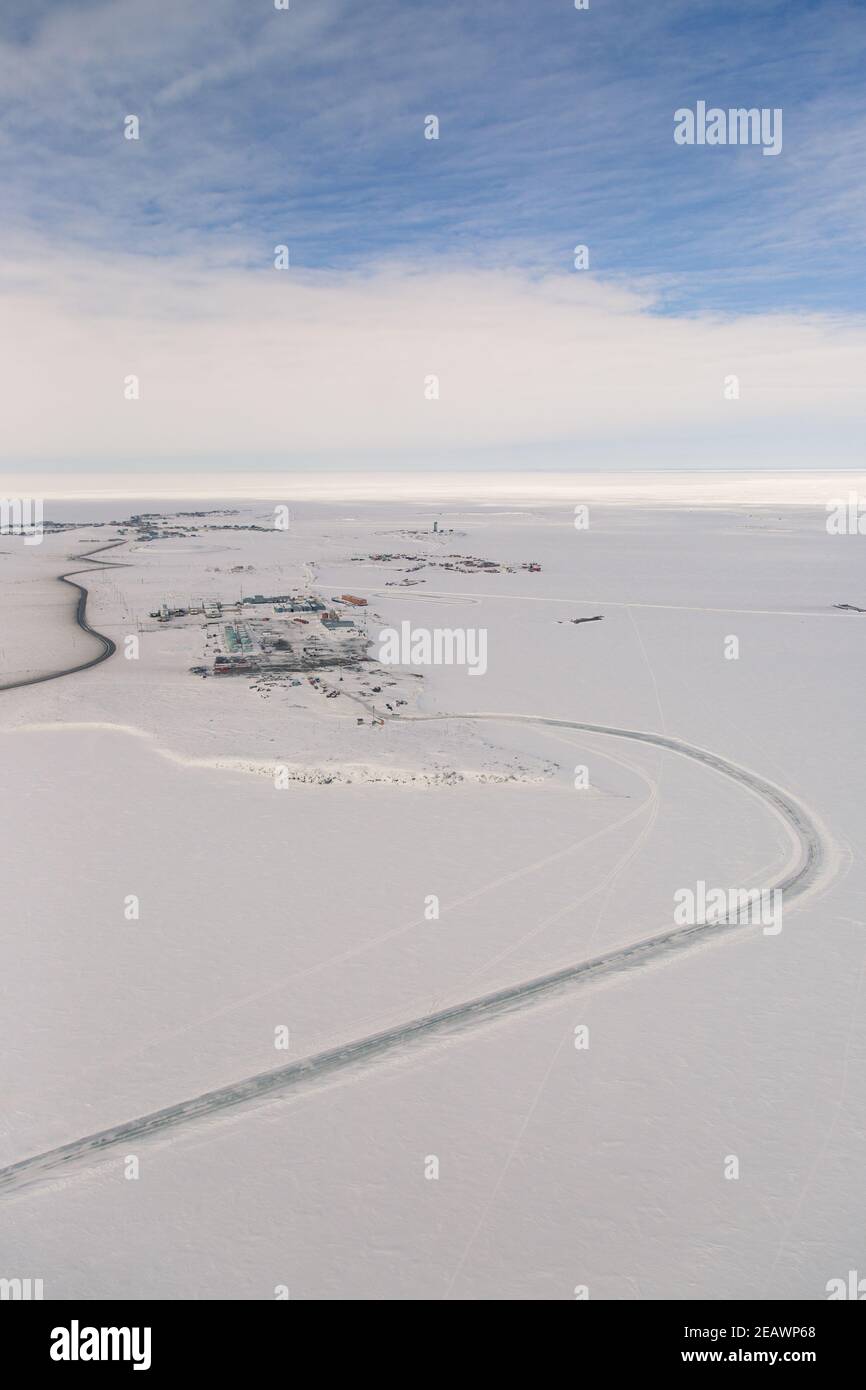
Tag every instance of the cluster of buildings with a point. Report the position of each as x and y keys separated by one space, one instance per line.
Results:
x=298 y=605
x=459 y=564
x=286 y=603
x=435 y=530
x=276 y=634
x=471 y=564
x=210 y=610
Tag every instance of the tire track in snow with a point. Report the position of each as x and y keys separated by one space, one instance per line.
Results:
x=813 y=863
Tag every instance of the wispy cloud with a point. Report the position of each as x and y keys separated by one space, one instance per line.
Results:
x=556 y=127
x=409 y=257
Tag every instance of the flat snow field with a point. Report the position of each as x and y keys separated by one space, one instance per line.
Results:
x=689 y=1121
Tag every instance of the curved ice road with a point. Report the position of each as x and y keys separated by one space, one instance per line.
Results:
x=810 y=867
x=107 y=646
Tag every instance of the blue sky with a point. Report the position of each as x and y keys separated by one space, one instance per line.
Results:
x=305 y=127
x=556 y=127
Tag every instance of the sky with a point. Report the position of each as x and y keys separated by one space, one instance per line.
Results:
x=412 y=258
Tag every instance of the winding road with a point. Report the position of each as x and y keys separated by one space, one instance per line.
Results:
x=811 y=866
x=108 y=648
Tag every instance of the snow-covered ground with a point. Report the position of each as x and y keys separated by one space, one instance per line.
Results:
x=306 y=907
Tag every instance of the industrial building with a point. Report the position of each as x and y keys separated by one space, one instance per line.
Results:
x=266 y=635
x=331 y=619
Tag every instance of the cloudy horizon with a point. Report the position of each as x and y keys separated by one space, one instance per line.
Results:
x=435 y=313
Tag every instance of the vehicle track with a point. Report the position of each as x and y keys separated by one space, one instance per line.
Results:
x=812 y=865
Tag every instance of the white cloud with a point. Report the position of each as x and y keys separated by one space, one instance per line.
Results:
x=295 y=367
